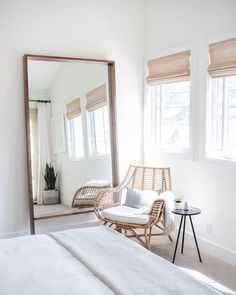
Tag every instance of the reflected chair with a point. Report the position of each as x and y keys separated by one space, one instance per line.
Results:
x=108 y=206
x=85 y=196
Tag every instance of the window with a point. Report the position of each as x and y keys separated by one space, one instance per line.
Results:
x=74 y=129
x=221 y=110
x=168 y=102
x=99 y=143
x=98 y=123
x=75 y=138
x=221 y=141
x=170 y=115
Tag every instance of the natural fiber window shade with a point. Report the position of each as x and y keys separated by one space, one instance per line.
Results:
x=73 y=109
x=96 y=98
x=169 y=69
x=222 y=58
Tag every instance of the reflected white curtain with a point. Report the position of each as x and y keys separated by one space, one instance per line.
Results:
x=33 y=115
x=44 y=145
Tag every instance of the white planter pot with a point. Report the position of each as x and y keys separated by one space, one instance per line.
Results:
x=50 y=197
x=178 y=206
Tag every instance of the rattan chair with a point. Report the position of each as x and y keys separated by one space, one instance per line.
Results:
x=85 y=196
x=142 y=178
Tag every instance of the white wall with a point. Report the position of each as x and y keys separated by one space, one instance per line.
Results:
x=73 y=81
x=107 y=29
x=114 y=30
x=211 y=186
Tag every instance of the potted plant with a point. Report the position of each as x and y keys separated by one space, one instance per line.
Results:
x=50 y=193
x=178 y=203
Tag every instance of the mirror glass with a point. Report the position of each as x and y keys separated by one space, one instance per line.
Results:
x=69 y=128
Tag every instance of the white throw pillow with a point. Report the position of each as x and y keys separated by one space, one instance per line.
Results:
x=140 y=198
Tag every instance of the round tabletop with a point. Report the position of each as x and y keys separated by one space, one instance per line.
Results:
x=190 y=211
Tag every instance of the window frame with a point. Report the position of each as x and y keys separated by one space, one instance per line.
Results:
x=159 y=142
x=211 y=153
x=90 y=120
x=173 y=153
x=68 y=136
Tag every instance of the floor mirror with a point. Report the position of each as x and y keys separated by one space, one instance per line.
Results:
x=70 y=112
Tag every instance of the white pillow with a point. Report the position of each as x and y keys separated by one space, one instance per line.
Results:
x=140 y=198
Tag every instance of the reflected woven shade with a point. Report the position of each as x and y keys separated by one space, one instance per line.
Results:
x=73 y=109
x=169 y=69
x=96 y=98
x=222 y=58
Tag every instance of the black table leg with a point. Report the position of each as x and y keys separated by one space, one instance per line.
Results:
x=195 y=239
x=182 y=249
x=177 y=241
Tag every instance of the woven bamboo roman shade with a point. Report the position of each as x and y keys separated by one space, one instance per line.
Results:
x=169 y=69
x=222 y=58
x=73 y=109
x=96 y=98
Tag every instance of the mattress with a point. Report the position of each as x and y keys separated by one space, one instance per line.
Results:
x=95 y=260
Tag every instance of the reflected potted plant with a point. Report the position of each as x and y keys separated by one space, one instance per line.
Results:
x=50 y=193
x=178 y=203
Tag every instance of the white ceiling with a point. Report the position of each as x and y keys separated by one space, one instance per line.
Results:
x=41 y=75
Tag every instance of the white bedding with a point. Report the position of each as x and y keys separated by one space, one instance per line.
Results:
x=88 y=261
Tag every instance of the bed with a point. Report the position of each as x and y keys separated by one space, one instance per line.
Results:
x=95 y=260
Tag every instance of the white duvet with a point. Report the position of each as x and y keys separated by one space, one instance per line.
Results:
x=88 y=261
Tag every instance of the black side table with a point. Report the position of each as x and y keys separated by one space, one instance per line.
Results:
x=191 y=211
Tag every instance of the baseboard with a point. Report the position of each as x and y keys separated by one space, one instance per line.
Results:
x=14 y=235
x=212 y=249
x=66 y=202
x=46 y=229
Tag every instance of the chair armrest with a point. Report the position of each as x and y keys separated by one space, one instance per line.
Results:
x=86 y=193
x=157 y=211
x=106 y=199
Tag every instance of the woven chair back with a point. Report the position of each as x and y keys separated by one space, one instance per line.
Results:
x=148 y=178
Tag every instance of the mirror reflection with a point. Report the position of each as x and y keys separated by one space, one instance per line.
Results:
x=69 y=134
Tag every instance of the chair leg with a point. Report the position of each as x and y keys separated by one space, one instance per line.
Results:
x=118 y=229
x=146 y=238
x=137 y=236
x=150 y=234
x=105 y=223
x=170 y=238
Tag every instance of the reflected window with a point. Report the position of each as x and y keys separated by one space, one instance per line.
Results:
x=169 y=115
x=75 y=129
x=98 y=122
x=75 y=138
x=98 y=131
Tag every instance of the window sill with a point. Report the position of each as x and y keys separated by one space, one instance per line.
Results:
x=218 y=160
x=99 y=157
x=76 y=159
x=186 y=154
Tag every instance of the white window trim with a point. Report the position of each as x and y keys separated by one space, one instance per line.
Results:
x=87 y=156
x=179 y=153
x=213 y=157
x=206 y=94
x=91 y=155
x=70 y=159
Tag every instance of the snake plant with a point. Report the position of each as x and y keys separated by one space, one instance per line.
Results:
x=50 y=177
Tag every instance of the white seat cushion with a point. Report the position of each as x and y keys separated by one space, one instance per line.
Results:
x=125 y=214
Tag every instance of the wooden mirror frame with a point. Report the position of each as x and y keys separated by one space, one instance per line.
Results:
x=113 y=125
